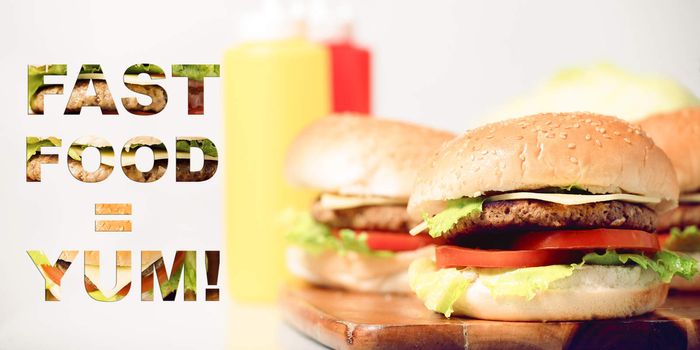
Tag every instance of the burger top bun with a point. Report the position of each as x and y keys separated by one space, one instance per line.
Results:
x=357 y=155
x=677 y=133
x=598 y=153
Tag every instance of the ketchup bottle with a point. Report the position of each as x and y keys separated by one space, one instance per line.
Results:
x=351 y=64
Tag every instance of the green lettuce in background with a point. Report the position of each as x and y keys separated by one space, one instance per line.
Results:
x=34 y=144
x=686 y=240
x=144 y=68
x=207 y=147
x=305 y=232
x=35 y=77
x=196 y=71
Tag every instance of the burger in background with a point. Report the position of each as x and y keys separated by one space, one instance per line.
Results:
x=356 y=234
x=677 y=133
x=547 y=217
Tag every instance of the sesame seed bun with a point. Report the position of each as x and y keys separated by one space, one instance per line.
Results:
x=357 y=155
x=677 y=134
x=356 y=272
x=600 y=154
x=591 y=292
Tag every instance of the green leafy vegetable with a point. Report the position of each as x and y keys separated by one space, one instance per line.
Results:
x=145 y=68
x=34 y=144
x=90 y=69
x=686 y=240
x=196 y=71
x=35 y=77
x=525 y=282
x=207 y=147
x=439 y=289
x=173 y=282
x=456 y=209
x=315 y=237
x=665 y=263
x=40 y=259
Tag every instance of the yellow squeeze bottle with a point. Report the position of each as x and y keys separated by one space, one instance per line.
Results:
x=274 y=84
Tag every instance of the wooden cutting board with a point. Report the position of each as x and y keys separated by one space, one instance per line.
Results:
x=347 y=320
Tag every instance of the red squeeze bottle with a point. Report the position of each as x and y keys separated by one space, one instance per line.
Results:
x=351 y=78
x=331 y=22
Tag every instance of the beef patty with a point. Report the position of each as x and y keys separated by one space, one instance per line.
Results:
x=371 y=217
x=526 y=214
x=684 y=215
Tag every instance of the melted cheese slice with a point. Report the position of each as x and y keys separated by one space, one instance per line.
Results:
x=123 y=278
x=334 y=201
x=690 y=198
x=561 y=198
x=575 y=199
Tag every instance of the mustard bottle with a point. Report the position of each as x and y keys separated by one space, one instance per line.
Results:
x=274 y=84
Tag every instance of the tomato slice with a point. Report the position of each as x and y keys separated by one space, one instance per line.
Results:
x=663 y=237
x=589 y=239
x=396 y=241
x=454 y=256
x=53 y=273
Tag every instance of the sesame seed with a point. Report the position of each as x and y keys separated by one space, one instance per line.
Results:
x=548 y=122
x=493 y=152
x=617 y=133
x=573 y=160
x=562 y=135
x=489 y=136
x=597 y=142
x=577 y=125
x=588 y=120
x=588 y=137
x=472 y=157
x=607 y=136
x=484 y=152
x=602 y=130
x=627 y=140
x=571 y=146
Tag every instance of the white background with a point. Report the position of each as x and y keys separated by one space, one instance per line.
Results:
x=441 y=63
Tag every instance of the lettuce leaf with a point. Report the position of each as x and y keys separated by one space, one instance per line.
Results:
x=35 y=77
x=665 y=263
x=190 y=271
x=305 y=232
x=196 y=71
x=439 y=289
x=686 y=240
x=145 y=68
x=456 y=209
x=525 y=282
x=34 y=144
x=207 y=147
x=39 y=260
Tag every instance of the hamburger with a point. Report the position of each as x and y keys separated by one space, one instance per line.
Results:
x=676 y=133
x=546 y=217
x=355 y=235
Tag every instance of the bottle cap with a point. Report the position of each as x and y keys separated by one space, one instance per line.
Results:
x=329 y=22
x=271 y=22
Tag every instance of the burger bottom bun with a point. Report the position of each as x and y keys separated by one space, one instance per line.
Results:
x=680 y=283
x=356 y=272
x=591 y=292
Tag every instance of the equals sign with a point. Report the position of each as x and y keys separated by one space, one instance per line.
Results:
x=113 y=225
